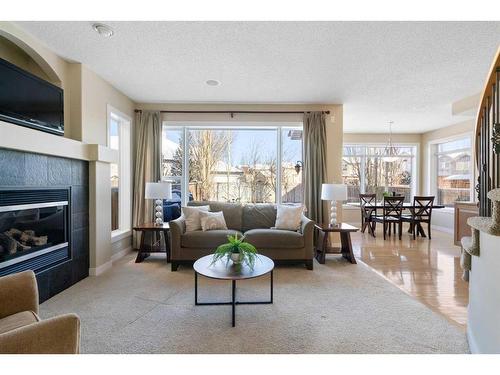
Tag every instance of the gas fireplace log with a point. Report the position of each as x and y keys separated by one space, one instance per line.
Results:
x=14 y=233
x=8 y=244
x=28 y=238
x=15 y=240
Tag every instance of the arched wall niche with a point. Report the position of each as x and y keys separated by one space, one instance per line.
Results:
x=21 y=54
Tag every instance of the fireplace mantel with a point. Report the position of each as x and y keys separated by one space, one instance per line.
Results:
x=15 y=137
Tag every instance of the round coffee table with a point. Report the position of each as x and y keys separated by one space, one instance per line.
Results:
x=219 y=271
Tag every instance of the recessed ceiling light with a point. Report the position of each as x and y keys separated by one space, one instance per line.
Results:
x=103 y=30
x=213 y=82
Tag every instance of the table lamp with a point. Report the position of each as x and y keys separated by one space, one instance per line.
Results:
x=333 y=193
x=158 y=191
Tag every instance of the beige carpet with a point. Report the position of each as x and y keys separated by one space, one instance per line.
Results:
x=337 y=308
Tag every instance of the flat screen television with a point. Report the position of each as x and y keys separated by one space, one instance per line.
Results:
x=30 y=101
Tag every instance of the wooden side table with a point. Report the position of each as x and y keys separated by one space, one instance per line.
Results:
x=155 y=244
x=345 y=240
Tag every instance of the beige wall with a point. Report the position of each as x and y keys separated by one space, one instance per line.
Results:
x=86 y=96
x=121 y=246
x=381 y=138
x=15 y=55
x=96 y=95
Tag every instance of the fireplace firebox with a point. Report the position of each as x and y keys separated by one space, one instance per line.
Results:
x=34 y=228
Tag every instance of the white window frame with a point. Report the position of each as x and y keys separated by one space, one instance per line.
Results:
x=432 y=187
x=125 y=170
x=415 y=181
x=222 y=126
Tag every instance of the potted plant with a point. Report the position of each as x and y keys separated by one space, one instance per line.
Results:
x=236 y=250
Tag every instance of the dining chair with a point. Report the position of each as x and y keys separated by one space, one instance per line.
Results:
x=420 y=213
x=368 y=202
x=392 y=213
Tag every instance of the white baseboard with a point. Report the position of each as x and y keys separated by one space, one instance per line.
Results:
x=106 y=266
x=442 y=229
x=101 y=269
x=121 y=254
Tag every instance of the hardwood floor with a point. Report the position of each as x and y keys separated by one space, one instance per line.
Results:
x=428 y=270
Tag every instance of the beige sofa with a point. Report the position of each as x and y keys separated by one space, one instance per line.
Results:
x=22 y=331
x=255 y=221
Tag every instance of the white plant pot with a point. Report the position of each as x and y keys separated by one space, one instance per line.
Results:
x=236 y=258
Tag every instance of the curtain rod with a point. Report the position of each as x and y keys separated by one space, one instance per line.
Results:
x=245 y=112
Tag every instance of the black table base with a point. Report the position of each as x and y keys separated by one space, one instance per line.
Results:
x=233 y=301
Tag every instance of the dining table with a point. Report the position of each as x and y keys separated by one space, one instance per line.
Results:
x=406 y=206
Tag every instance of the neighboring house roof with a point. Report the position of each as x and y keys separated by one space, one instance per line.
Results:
x=458 y=177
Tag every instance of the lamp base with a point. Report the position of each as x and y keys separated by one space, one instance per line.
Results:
x=333 y=214
x=159 y=212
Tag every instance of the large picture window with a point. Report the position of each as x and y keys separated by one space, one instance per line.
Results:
x=453 y=171
x=233 y=164
x=366 y=170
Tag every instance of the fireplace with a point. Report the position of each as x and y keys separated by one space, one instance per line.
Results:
x=34 y=228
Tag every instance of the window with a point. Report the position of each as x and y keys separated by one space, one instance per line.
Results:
x=173 y=159
x=453 y=171
x=364 y=170
x=236 y=164
x=292 y=189
x=119 y=139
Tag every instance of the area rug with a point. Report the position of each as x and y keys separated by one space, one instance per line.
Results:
x=337 y=308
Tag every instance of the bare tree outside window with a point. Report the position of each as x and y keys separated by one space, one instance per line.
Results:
x=206 y=149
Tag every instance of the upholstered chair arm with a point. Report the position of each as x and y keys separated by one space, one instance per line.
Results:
x=307 y=229
x=177 y=229
x=59 y=335
x=18 y=292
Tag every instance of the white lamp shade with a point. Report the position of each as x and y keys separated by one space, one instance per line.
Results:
x=158 y=190
x=334 y=192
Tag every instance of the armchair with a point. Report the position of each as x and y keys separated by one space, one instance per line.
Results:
x=22 y=331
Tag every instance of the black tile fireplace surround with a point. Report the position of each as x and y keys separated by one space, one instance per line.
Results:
x=33 y=175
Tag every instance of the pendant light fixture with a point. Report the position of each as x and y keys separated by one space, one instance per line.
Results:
x=390 y=153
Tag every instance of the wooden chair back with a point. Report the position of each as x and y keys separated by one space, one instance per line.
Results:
x=393 y=207
x=423 y=207
x=367 y=203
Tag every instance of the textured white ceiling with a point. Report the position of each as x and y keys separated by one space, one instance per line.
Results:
x=408 y=72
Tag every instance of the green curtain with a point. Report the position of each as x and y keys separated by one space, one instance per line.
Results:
x=147 y=165
x=314 y=153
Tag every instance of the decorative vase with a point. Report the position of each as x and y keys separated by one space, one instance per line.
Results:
x=236 y=258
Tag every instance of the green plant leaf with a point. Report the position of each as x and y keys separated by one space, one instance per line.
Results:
x=236 y=245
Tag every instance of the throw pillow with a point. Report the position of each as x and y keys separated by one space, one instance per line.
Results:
x=192 y=217
x=212 y=220
x=288 y=217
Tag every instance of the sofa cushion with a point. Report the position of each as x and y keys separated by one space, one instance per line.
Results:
x=274 y=239
x=232 y=212
x=192 y=217
x=288 y=217
x=17 y=320
x=212 y=221
x=260 y=215
x=209 y=239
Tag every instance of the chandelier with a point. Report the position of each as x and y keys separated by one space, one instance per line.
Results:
x=390 y=152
